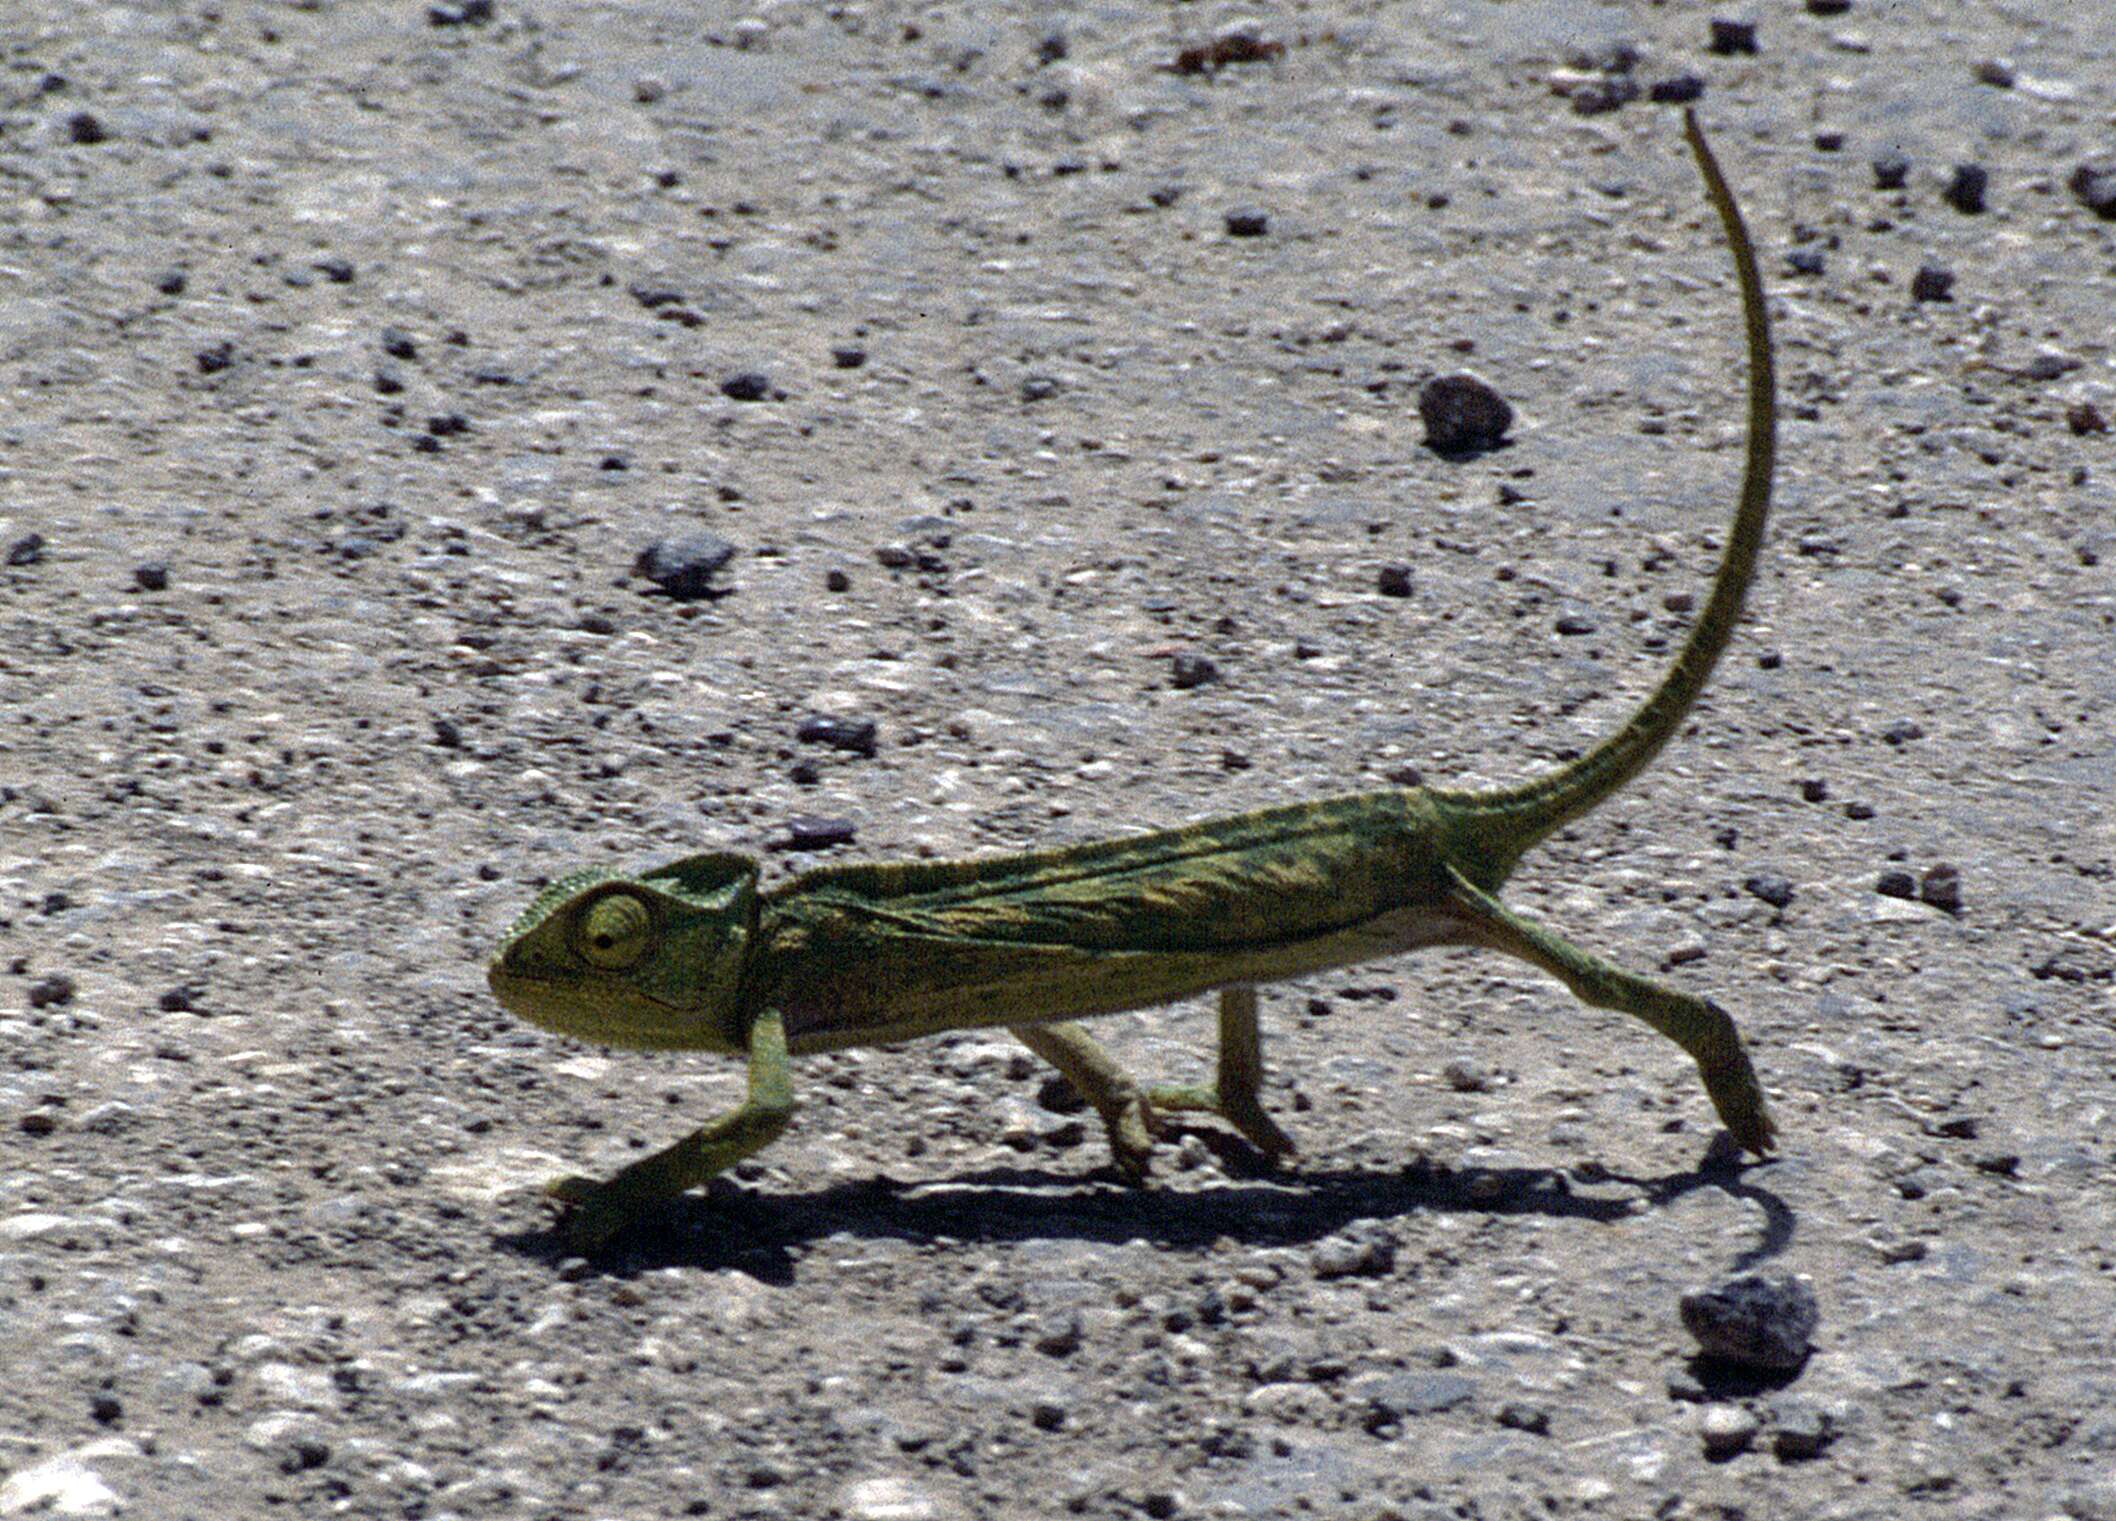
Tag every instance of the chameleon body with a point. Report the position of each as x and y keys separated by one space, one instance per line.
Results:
x=692 y=955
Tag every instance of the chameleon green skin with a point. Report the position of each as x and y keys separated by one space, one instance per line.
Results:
x=690 y=955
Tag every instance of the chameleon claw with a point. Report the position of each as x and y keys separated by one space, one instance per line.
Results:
x=591 y=1212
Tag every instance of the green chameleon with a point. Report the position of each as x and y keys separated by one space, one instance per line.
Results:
x=691 y=955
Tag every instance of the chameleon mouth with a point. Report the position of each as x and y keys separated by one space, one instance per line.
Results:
x=611 y=1018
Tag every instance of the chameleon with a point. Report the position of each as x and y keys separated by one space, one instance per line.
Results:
x=693 y=955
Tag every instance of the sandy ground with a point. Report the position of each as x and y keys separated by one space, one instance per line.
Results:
x=353 y=353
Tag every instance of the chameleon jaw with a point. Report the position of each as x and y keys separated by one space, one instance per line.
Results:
x=605 y=1015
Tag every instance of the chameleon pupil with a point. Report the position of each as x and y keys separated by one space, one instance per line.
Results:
x=614 y=934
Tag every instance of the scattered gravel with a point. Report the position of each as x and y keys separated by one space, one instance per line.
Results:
x=393 y=334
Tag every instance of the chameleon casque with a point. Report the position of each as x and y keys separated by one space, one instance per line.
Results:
x=691 y=955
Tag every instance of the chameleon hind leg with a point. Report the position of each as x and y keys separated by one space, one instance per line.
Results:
x=1698 y=1025
x=600 y=1208
x=1132 y=1114
x=1236 y=1093
x=1097 y=1077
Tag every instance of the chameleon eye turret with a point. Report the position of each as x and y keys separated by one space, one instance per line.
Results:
x=615 y=930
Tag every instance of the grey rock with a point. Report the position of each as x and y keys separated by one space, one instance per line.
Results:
x=1463 y=414
x=684 y=566
x=1757 y=1321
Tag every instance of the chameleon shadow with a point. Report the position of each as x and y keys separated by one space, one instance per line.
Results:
x=733 y=1226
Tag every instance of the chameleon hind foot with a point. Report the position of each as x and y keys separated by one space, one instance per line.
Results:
x=1240 y=1110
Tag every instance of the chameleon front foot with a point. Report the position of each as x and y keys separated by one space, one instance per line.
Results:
x=595 y=1210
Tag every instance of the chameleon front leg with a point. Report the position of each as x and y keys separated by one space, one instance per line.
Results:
x=599 y=1209
x=1698 y=1025
x=1235 y=1095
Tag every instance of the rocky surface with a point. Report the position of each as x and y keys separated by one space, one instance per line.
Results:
x=1029 y=357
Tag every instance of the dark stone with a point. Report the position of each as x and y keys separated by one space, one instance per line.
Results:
x=1755 y=1321
x=1965 y=191
x=1462 y=414
x=684 y=567
x=855 y=734
x=1942 y=888
x=818 y=834
x=1676 y=90
x=1770 y=887
x=1730 y=37
x=1188 y=671
x=2095 y=185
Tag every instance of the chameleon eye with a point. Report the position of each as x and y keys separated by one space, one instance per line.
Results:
x=613 y=932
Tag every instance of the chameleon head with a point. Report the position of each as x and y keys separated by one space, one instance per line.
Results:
x=654 y=960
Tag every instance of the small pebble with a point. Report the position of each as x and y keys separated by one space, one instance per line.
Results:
x=1676 y=90
x=1932 y=282
x=1891 y=169
x=1758 y=1321
x=1800 y=1429
x=1994 y=71
x=1942 y=888
x=1247 y=222
x=151 y=575
x=1462 y=414
x=1770 y=887
x=1465 y=1075
x=2094 y=183
x=1187 y=671
x=1730 y=37
x=683 y=567
x=747 y=385
x=1394 y=581
x=1598 y=97
x=1727 y=1429
x=1533 y=1419
x=1896 y=884
x=1965 y=191
x=1806 y=261
x=86 y=129
x=1828 y=7
x=857 y=735
x=51 y=992
x=818 y=834
x=27 y=550
x=848 y=356
x=1363 y=1249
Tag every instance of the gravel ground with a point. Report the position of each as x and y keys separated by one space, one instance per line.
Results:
x=1052 y=374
